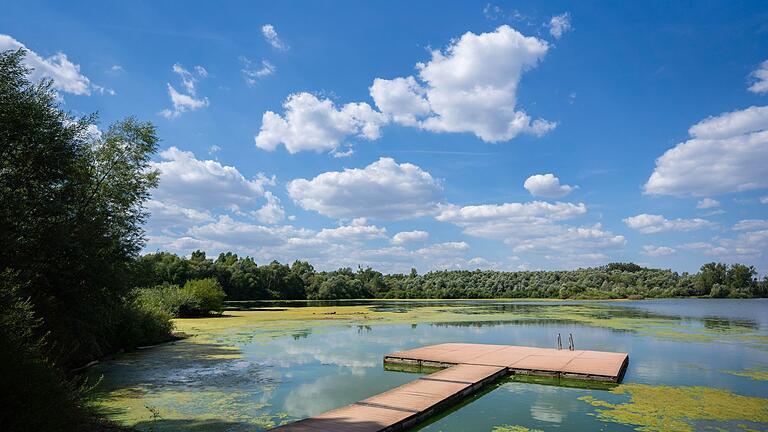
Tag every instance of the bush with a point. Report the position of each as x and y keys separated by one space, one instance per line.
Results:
x=199 y=297
x=170 y=299
x=208 y=294
x=144 y=323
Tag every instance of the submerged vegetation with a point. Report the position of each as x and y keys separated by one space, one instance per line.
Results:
x=243 y=279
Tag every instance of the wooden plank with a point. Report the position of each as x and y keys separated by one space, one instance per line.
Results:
x=469 y=367
x=577 y=363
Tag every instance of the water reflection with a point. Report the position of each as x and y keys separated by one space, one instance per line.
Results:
x=253 y=377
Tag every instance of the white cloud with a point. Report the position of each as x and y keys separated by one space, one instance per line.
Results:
x=270 y=35
x=313 y=124
x=382 y=190
x=547 y=186
x=402 y=98
x=471 y=86
x=747 y=247
x=707 y=203
x=232 y=232
x=167 y=215
x=760 y=76
x=727 y=153
x=353 y=232
x=559 y=25
x=204 y=184
x=751 y=225
x=651 y=223
x=535 y=228
x=443 y=249
x=656 y=251
x=726 y=125
x=511 y=212
x=271 y=212
x=404 y=237
x=66 y=75
x=184 y=102
x=764 y=200
x=252 y=73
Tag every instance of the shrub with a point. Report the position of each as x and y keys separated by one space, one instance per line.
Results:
x=170 y=299
x=144 y=323
x=208 y=294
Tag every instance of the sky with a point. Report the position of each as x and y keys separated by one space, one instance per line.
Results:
x=462 y=135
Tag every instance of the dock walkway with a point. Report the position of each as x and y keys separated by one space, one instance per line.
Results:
x=468 y=367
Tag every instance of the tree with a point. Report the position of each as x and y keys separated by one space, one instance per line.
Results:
x=74 y=225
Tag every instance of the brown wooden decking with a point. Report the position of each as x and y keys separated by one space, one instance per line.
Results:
x=469 y=367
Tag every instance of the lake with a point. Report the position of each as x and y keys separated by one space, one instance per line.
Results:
x=695 y=364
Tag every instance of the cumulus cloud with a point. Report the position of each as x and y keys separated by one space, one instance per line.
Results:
x=192 y=183
x=547 y=186
x=748 y=246
x=270 y=35
x=760 y=76
x=707 y=203
x=168 y=215
x=66 y=75
x=382 y=190
x=402 y=98
x=651 y=223
x=559 y=25
x=358 y=230
x=511 y=212
x=316 y=124
x=727 y=153
x=656 y=251
x=442 y=249
x=471 y=86
x=536 y=227
x=183 y=102
x=271 y=212
x=751 y=225
x=404 y=237
x=229 y=231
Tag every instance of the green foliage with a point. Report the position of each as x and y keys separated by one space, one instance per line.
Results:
x=198 y=297
x=207 y=293
x=144 y=323
x=243 y=279
x=32 y=385
x=71 y=216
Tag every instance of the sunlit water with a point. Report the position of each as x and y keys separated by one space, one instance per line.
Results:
x=245 y=378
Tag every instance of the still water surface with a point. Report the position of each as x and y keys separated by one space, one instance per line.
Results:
x=694 y=365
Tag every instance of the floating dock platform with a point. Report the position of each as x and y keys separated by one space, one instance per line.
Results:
x=467 y=369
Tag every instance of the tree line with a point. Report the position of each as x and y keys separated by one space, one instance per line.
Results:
x=241 y=278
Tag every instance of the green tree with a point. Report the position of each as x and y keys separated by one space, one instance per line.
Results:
x=209 y=295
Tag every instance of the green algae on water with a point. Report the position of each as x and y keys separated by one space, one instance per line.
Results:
x=756 y=374
x=663 y=408
x=513 y=428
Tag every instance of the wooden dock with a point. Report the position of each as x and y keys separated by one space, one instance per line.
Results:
x=468 y=368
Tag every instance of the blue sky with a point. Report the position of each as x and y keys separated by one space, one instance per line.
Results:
x=505 y=135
